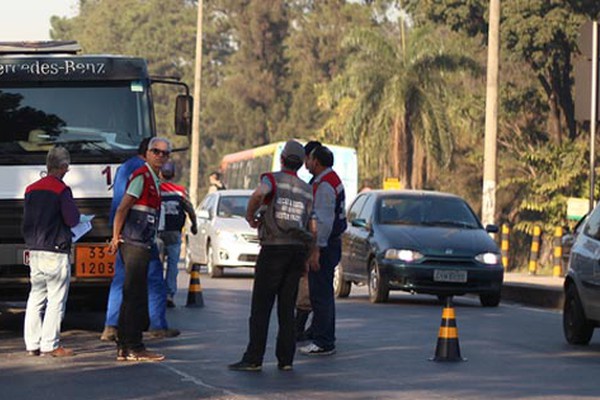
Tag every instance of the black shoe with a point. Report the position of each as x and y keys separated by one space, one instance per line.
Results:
x=170 y=303
x=245 y=366
x=34 y=353
x=285 y=367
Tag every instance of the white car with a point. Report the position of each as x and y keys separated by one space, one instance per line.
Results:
x=224 y=239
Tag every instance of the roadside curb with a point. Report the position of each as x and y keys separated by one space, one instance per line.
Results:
x=534 y=294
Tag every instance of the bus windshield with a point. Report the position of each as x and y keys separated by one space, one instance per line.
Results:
x=92 y=120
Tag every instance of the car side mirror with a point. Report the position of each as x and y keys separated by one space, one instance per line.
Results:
x=204 y=214
x=491 y=228
x=359 y=222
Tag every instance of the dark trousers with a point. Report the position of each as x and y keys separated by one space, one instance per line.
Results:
x=133 y=315
x=322 y=298
x=278 y=270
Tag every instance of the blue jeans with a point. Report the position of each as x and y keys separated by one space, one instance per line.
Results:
x=157 y=293
x=173 y=252
x=322 y=298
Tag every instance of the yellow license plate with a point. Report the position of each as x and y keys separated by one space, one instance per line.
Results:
x=93 y=261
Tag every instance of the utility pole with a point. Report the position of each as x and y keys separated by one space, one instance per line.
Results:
x=593 y=113
x=491 y=116
x=195 y=151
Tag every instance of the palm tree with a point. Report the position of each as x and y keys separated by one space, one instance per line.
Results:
x=397 y=100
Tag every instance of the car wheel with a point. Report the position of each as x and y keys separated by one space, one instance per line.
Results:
x=341 y=287
x=214 y=271
x=577 y=328
x=490 y=299
x=379 y=291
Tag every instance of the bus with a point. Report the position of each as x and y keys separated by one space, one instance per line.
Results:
x=99 y=107
x=242 y=170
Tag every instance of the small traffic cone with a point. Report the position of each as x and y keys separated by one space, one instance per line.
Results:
x=194 y=298
x=447 y=348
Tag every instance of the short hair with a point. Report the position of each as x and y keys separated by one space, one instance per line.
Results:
x=216 y=174
x=57 y=157
x=291 y=163
x=143 y=147
x=323 y=155
x=157 y=139
x=310 y=146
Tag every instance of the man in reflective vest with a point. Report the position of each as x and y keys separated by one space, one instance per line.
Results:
x=134 y=235
x=175 y=206
x=329 y=208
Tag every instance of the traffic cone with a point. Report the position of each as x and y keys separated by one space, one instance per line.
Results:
x=194 y=298
x=447 y=348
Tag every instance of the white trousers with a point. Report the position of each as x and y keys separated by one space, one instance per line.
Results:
x=50 y=277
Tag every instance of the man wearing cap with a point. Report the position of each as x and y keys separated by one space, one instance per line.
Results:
x=286 y=231
x=175 y=205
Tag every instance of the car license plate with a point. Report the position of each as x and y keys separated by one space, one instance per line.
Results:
x=440 y=275
x=93 y=261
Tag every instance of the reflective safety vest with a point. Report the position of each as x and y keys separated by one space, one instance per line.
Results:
x=339 y=222
x=141 y=222
x=288 y=209
x=172 y=204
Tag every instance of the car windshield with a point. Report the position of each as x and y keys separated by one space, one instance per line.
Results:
x=232 y=206
x=429 y=211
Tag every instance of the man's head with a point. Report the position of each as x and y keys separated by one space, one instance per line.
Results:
x=321 y=158
x=214 y=176
x=308 y=148
x=168 y=170
x=143 y=147
x=57 y=161
x=159 y=150
x=292 y=155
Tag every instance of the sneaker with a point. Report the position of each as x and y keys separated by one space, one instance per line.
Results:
x=109 y=334
x=34 y=353
x=142 y=355
x=314 y=350
x=163 y=333
x=285 y=367
x=121 y=355
x=245 y=366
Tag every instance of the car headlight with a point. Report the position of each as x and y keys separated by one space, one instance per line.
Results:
x=229 y=236
x=403 y=255
x=488 y=258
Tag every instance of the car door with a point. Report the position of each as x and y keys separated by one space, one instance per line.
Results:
x=348 y=238
x=362 y=238
x=205 y=214
x=585 y=262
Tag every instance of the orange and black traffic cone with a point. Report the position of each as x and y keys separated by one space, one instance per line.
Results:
x=194 y=298
x=447 y=348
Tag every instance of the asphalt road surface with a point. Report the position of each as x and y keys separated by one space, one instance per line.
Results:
x=513 y=352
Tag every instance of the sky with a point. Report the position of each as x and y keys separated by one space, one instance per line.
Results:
x=30 y=19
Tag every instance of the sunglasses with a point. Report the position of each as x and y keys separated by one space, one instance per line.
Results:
x=158 y=152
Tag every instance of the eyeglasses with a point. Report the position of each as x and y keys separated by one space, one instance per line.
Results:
x=159 y=152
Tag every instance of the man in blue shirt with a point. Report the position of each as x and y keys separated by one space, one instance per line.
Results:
x=157 y=291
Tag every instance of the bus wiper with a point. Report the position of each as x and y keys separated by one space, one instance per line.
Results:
x=71 y=142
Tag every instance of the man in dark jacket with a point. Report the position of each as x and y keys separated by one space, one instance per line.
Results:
x=175 y=205
x=49 y=213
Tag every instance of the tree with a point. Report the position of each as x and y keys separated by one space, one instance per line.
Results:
x=391 y=101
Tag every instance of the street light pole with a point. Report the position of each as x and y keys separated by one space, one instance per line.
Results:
x=195 y=150
x=593 y=113
x=488 y=207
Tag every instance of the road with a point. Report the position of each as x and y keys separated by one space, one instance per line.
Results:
x=513 y=352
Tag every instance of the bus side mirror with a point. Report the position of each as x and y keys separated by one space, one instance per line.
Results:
x=183 y=115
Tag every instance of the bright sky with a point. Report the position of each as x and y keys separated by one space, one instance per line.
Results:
x=30 y=19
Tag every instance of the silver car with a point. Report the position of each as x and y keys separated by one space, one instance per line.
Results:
x=224 y=239
x=581 y=313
